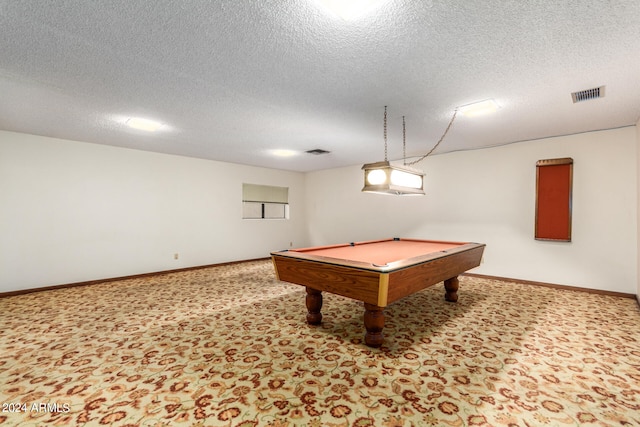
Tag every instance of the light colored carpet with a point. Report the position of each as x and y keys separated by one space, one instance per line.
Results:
x=229 y=346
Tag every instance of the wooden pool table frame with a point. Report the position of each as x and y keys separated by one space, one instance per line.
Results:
x=376 y=286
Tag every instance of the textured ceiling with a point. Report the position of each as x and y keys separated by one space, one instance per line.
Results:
x=234 y=79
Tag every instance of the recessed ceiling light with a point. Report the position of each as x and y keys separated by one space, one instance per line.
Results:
x=283 y=153
x=479 y=108
x=143 y=124
x=351 y=9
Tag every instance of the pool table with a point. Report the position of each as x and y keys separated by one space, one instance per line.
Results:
x=376 y=272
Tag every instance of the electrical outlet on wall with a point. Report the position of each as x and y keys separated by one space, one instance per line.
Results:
x=176 y=255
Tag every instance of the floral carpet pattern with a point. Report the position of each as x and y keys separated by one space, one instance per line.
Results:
x=229 y=346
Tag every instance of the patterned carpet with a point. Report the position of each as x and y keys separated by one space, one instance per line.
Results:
x=228 y=346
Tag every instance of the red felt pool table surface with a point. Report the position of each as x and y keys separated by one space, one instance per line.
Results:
x=381 y=252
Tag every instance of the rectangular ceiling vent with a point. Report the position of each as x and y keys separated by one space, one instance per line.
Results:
x=588 y=94
x=317 y=151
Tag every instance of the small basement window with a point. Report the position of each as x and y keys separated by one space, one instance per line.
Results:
x=265 y=202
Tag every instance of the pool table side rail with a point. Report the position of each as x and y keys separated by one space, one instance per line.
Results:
x=392 y=266
x=406 y=281
x=346 y=281
x=339 y=245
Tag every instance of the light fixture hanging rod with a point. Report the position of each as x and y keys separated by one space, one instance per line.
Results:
x=385 y=133
x=404 y=142
x=453 y=117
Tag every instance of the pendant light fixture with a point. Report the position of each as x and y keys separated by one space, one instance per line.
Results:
x=386 y=178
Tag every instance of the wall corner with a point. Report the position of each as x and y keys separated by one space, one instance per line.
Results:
x=638 y=208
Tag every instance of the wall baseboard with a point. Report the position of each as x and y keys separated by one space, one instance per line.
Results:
x=552 y=285
x=114 y=279
x=178 y=270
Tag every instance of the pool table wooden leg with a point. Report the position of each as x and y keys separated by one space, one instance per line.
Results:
x=374 y=323
x=451 y=287
x=314 y=305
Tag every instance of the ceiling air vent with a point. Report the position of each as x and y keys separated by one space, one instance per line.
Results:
x=588 y=94
x=317 y=151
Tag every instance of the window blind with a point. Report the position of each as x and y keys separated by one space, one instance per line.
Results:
x=264 y=193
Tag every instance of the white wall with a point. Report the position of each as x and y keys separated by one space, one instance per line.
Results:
x=72 y=211
x=488 y=196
